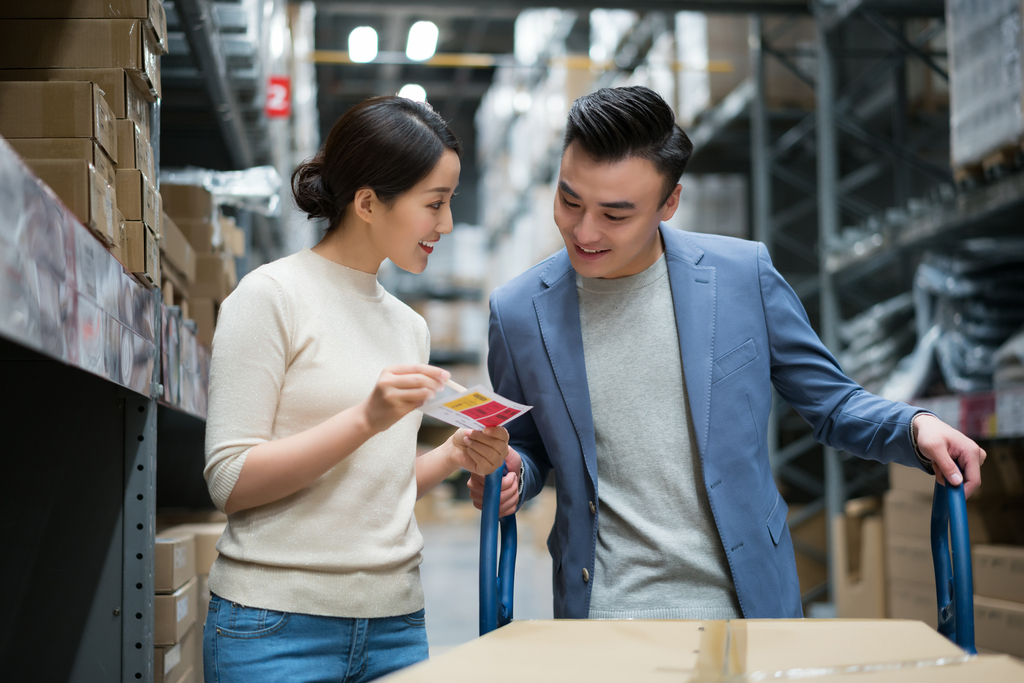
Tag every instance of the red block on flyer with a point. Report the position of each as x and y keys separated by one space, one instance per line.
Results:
x=279 y=97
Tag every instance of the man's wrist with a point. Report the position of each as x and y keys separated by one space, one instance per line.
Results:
x=925 y=462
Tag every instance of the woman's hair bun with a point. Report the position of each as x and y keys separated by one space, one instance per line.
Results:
x=311 y=196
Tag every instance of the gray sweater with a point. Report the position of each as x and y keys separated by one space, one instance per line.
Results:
x=659 y=555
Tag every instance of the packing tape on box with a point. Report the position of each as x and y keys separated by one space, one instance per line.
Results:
x=723 y=659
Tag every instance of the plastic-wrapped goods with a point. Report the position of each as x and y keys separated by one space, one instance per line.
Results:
x=1009 y=362
x=876 y=339
x=256 y=189
x=986 y=79
x=975 y=297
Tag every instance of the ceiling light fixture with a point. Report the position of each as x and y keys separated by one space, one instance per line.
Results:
x=422 y=41
x=414 y=92
x=362 y=44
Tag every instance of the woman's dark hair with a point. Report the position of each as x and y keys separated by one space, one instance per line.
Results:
x=386 y=143
x=613 y=124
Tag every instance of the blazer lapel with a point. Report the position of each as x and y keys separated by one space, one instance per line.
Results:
x=558 y=313
x=693 y=297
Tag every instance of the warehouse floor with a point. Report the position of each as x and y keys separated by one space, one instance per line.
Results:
x=450 y=573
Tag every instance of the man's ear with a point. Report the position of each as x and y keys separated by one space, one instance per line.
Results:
x=365 y=203
x=668 y=209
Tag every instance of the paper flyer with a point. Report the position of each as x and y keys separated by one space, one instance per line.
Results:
x=473 y=408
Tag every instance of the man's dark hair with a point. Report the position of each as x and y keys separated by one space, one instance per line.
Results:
x=613 y=124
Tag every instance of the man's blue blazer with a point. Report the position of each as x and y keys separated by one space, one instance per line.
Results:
x=741 y=329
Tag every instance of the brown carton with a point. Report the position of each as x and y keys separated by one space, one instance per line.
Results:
x=150 y=11
x=190 y=676
x=903 y=478
x=141 y=253
x=999 y=625
x=740 y=650
x=83 y=191
x=198 y=233
x=204 y=312
x=176 y=249
x=171 y=661
x=999 y=572
x=859 y=550
x=119 y=90
x=58 y=109
x=232 y=236
x=174 y=614
x=910 y=558
x=913 y=600
x=133 y=149
x=82 y=43
x=187 y=202
x=175 y=560
x=115 y=249
x=206 y=536
x=213 y=277
x=136 y=198
x=67 y=148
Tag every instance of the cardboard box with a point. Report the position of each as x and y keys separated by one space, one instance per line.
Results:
x=638 y=650
x=999 y=625
x=206 y=536
x=903 y=478
x=83 y=43
x=991 y=519
x=999 y=571
x=204 y=312
x=171 y=661
x=190 y=676
x=136 y=198
x=187 y=202
x=910 y=558
x=141 y=253
x=175 y=614
x=214 y=275
x=116 y=248
x=908 y=513
x=232 y=236
x=119 y=90
x=176 y=249
x=175 y=560
x=198 y=233
x=859 y=551
x=987 y=668
x=67 y=148
x=82 y=190
x=68 y=109
x=150 y=11
x=133 y=149
x=913 y=600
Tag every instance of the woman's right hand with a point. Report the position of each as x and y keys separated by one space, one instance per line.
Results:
x=400 y=390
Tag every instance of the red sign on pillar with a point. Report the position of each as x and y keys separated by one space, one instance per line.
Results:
x=279 y=97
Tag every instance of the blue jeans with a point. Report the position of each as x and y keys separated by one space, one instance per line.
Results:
x=245 y=644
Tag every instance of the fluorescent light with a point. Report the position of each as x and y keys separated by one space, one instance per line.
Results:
x=414 y=92
x=422 y=41
x=362 y=44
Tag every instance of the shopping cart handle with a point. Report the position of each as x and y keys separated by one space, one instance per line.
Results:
x=954 y=583
x=497 y=579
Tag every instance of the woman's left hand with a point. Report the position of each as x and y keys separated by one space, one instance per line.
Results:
x=479 y=452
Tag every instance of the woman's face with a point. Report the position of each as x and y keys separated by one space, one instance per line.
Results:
x=407 y=232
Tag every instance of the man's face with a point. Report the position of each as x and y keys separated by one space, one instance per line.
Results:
x=608 y=213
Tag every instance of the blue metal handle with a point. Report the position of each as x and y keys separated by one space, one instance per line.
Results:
x=954 y=583
x=497 y=579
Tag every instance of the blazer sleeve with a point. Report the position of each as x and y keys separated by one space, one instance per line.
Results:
x=523 y=434
x=842 y=414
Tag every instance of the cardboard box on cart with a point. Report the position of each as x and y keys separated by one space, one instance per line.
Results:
x=866 y=650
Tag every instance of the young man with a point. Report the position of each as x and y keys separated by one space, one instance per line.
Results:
x=649 y=355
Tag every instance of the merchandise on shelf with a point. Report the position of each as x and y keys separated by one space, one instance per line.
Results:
x=986 y=79
x=713 y=203
x=876 y=340
x=151 y=12
x=1009 y=362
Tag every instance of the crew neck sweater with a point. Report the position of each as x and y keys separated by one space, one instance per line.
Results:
x=300 y=340
x=658 y=552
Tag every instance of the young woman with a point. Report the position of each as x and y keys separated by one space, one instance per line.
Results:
x=311 y=433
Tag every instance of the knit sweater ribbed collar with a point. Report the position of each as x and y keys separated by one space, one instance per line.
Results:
x=343 y=278
x=649 y=276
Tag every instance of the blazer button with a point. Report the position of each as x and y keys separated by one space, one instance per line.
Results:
x=586 y=575
x=593 y=510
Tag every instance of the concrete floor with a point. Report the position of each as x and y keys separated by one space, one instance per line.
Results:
x=450 y=571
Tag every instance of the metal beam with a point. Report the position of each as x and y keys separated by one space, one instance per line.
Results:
x=202 y=39
x=425 y=7
x=901 y=41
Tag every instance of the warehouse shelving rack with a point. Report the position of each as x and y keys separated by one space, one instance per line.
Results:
x=88 y=371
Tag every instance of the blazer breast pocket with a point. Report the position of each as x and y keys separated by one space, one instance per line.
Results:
x=733 y=361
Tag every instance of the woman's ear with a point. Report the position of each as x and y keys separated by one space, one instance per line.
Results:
x=364 y=203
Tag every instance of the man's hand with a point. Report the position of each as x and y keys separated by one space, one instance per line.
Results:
x=509 y=487
x=947 y=448
x=479 y=452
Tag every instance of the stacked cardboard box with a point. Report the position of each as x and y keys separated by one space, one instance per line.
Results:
x=177 y=264
x=216 y=241
x=206 y=536
x=175 y=634
x=859 y=551
x=56 y=57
